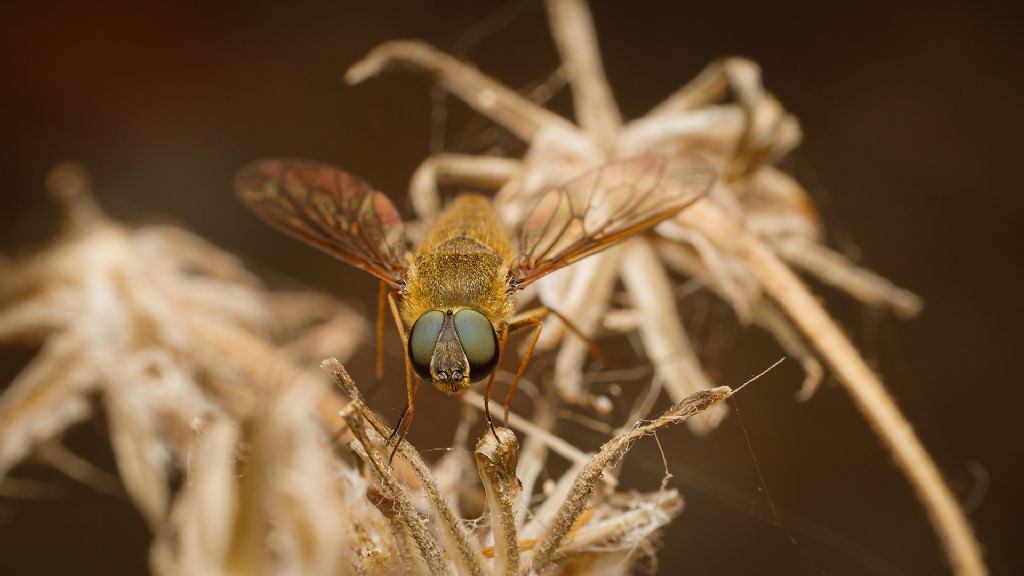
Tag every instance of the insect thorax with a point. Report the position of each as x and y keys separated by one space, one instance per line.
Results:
x=462 y=263
x=458 y=273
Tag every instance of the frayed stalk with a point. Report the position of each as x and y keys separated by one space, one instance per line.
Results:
x=367 y=449
x=612 y=450
x=457 y=539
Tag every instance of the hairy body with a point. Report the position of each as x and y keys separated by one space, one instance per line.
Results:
x=463 y=262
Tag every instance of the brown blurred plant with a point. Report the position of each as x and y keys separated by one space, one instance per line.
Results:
x=157 y=326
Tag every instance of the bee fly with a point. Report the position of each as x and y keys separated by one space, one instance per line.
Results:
x=452 y=297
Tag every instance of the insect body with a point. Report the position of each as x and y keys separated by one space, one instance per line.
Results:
x=452 y=297
x=457 y=295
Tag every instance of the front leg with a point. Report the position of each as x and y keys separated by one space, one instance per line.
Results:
x=382 y=304
x=503 y=331
x=537 y=322
x=523 y=320
x=412 y=381
x=535 y=318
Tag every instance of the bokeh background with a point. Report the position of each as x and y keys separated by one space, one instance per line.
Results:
x=912 y=149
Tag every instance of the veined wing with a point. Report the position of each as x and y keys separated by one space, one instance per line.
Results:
x=330 y=209
x=604 y=206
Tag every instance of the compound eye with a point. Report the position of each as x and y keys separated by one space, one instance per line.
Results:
x=422 y=339
x=479 y=342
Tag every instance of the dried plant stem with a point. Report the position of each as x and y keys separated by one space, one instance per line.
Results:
x=263 y=363
x=36 y=316
x=252 y=523
x=50 y=394
x=496 y=459
x=544 y=514
x=706 y=87
x=406 y=527
x=665 y=502
x=612 y=450
x=586 y=301
x=77 y=468
x=69 y=184
x=456 y=537
x=484 y=94
x=573 y=30
x=860 y=283
x=412 y=563
x=874 y=402
x=202 y=522
x=763 y=311
x=477 y=172
x=533 y=456
x=556 y=444
x=767 y=315
x=666 y=342
x=144 y=477
x=425 y=542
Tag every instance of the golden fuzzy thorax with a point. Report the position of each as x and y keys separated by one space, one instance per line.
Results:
x=462 y=263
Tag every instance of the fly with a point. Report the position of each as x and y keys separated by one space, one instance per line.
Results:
x=453 y=296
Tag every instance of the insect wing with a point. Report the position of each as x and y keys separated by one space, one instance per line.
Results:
x=605 y=206
x=330 y=209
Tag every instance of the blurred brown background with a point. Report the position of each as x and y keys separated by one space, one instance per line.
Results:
x=912 y=121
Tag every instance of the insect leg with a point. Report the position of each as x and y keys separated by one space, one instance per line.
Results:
x=382 y=304
x=412 y=383
x=538 y=323
x=398 y=425
x=502 y=339
x=543 y=311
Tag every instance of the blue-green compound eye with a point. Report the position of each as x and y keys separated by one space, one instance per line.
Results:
x=422 y=339
x=479 y=342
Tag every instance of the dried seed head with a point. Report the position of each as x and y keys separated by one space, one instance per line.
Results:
x=497 y=455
